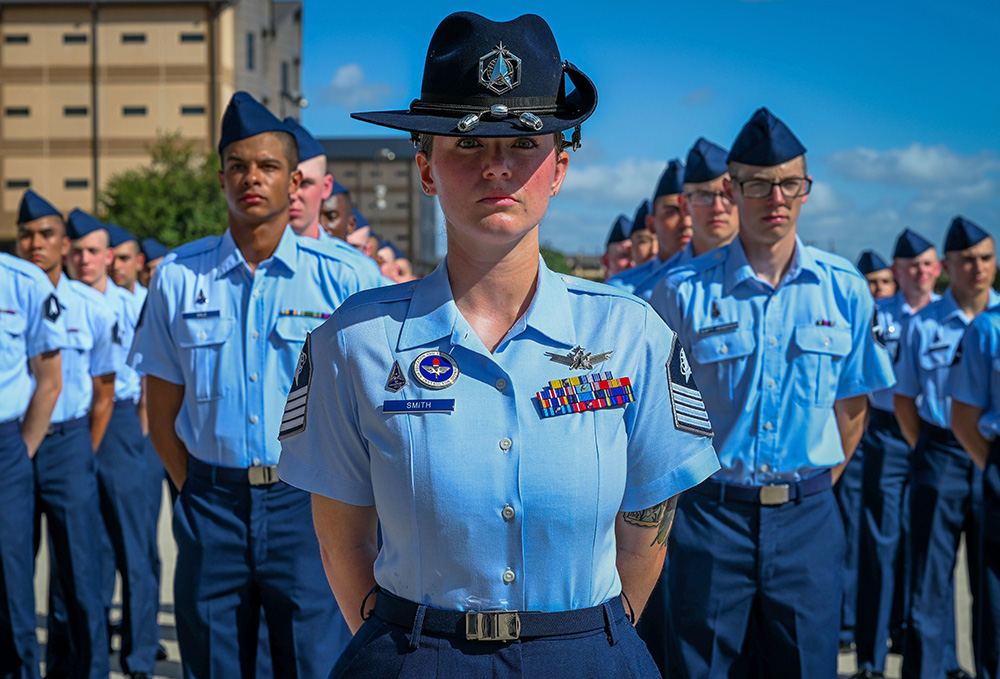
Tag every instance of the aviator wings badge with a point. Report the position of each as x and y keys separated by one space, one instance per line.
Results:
x=579 y=359
x=499 y=70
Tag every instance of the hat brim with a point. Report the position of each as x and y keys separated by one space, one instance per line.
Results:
x=580 y=104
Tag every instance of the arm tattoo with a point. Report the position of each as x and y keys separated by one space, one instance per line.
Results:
x=660 y=517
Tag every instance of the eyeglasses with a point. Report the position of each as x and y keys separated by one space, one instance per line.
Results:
x=707 y=198
x=791 y=187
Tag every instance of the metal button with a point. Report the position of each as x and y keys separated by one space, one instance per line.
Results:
x=501 y=384
x=508 y=576
x=253 y=377
x=253 y=419
x=505 y=443
x=508 y=512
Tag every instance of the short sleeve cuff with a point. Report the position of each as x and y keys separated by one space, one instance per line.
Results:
x=320 y=481
x=145 y=365
x=963 y=395
x=856 y=388
x=688 y=474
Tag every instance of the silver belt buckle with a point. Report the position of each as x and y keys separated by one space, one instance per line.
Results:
x=263 y=476
x=776 y=494
x=492 y=626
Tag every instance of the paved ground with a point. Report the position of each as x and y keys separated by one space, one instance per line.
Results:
x=171 y=668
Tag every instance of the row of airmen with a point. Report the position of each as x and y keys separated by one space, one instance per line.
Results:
x=914 y=483
x=75 y=427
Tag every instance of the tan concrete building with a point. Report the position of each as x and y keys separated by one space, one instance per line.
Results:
x=86 y=87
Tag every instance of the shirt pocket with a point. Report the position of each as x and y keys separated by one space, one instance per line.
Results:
x=723 y=360
x=292 y=330
x=13 y=328
x=821 y=350
x=203 y=340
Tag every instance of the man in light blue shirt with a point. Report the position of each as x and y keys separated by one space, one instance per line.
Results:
x=779 y=339
x=31 y=336
x=65 y=465
x=945 y=495
x=224 y=324
x=975 y=420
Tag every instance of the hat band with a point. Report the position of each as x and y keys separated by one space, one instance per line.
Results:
x=528 y=119
x=466 y=103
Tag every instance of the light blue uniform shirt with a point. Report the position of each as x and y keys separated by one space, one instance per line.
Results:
x=926 y=352
x=975 y=377
x=772 y=362
x=29 y=326
x=492 y=505
x=90 y=349
x=368 y=272
x=891 y=315
x=127 y=308
x=627 y=280
x=232 y=338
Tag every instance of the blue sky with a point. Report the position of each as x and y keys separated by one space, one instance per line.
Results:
x=898 y=103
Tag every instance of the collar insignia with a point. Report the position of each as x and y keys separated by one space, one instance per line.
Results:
x=499 y=70
x=397 y=380
x=715 y=310
x=201 y=297
x=579 y=358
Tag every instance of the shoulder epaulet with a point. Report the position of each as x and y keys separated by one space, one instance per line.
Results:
x=834 y=261
x=195 y=247
x=582 y=285
x=20 y=266
x=390 y=293
x=698 y=265
x=89 y=293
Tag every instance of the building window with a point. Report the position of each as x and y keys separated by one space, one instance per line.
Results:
x=133 y=38
x=74 y=38
x=17 y=39
x=17 y=111
x=133 y=110
x=192 y=37
x=76 y=183
x=74 y=111
x=250 y=54
x=18 y=184
x=192 y=110
x=284 y=78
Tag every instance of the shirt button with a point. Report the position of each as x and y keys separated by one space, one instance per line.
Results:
x=256 y=462
x=501 y=384
x=253 y=419
x=723 y=349
x=768 y=426
x=202 y=336
x=826 y=342
x=256 y=293
x=505 y=443
x=508 y=576
x=774 y=340
x=508 y=512
x=253 y=377
x=765 y=468
x=770 y=383
x=255 y=334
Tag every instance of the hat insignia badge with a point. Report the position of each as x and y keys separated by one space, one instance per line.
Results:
x=499 y=70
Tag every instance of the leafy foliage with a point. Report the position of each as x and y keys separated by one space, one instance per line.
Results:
x=175 y=199
x=554 y=259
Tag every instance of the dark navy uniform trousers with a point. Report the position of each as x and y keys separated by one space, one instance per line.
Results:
x=66 y=492
x=989 y=652
x=241 y=548
x=882 y=565
x=946 y=500
x=18 y=645
x=755 y=589
x=123 y=479
x=848 y=492
x=653 y=626
x=405 y=640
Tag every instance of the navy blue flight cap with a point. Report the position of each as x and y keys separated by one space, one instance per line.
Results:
x=639 y=220
x=620 y=230
x=671 y=181
x=706 y=161
x=493 y=79
x=80 y=224
x=246 y=117
x=963 y=234
x=35 y=207
x=870 y=262
x=117 y=235
x=338 y=188
x=765 y=141
x=153 y=249
x=359 y=219
x=911 y=244
x=308 y=146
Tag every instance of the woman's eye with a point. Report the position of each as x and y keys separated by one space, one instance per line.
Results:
x=467 y=143
x=526 y=143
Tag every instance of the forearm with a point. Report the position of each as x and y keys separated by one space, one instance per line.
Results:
x=965 y=425
x=165 y=399
x=47 y=369
x=850 y=414
x=348 y=545
x=908 y=417
x=641 y=543
x=141 y=408
x=101 y=405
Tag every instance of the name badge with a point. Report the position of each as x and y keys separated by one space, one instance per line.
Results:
x=718 y=329
x=200 y=314
x=421 y=405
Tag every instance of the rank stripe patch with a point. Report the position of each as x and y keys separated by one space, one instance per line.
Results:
x=686 y=402
x=293 y=419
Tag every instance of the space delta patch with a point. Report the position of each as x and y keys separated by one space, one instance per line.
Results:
x=51 y=308
x=878 y=330
x=686 y=403
x=293 y=420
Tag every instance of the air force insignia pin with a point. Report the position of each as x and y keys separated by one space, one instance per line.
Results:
x=397 y=380
x=201 y=297
x=435 y=369
x=51 y=308
x=686 y=401
x=579 y=358
x=499 y=70
x=293 y=420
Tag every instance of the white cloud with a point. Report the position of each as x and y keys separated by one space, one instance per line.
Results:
x=624 y=183
x=348 y=88
x=915 y=165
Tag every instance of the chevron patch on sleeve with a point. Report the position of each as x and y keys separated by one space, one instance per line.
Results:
x=685 y=400
x=293 y=420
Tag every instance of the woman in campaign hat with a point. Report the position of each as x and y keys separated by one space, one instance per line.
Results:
x=516 y=434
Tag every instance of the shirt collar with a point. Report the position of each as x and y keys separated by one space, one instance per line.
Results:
x=738 y=269
x=949 y=307
x=433 y=313
x=230 y=256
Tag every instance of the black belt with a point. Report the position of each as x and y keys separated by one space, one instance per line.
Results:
x=773 y=494
x=68 y=425
x=937 y=434
x=496 y=625
x=236 y=476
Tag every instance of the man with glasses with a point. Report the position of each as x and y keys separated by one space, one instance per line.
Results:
x=778 y=336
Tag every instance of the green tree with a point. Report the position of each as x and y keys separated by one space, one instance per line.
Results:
x=175 y=199
x=554 y=259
